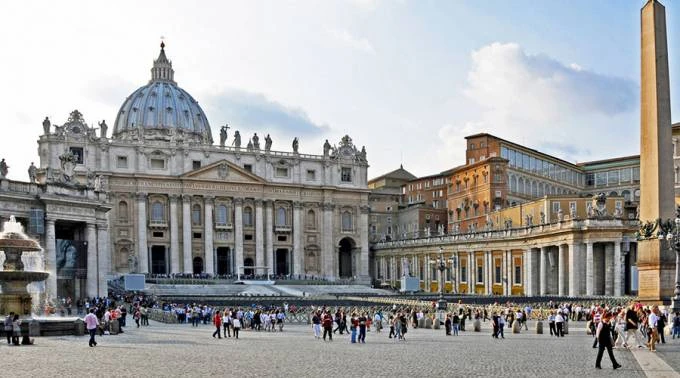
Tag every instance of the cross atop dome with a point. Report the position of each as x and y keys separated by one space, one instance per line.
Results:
x=162 y=67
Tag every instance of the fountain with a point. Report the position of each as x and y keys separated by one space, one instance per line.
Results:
x=13 y=278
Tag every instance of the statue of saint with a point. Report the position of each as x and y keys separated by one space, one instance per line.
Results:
x=32 y=170
x=46 y=126
x=296 y=144
x=237 y=139
x=363 y=153
x=4 y=168
x=267 y=143
x=326 y=148
x=103 y=128
x=256 y=141
x=406 y=267
x=249 y=147
x=223 y=135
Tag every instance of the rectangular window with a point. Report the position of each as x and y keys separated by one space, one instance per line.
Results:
x=197 y=235
x=311 y=175
x=613 y=177
x=463 y=273
x=636 y=174
x=525 y=162
x=196 y=164
x=601 y=179
x=248 y=167
x=157 y=163
x=36 y=223
x=504 y=152
x=157 y=234
x=624 y=175
x=518 y=274
x=555 y=207
x=346 y=175
x=480 y=274
x=590 y=179
x=282 y=238
x=248 y=237
x=78 y=154
x=497 y=273
x=121 y=162
x=281 y=172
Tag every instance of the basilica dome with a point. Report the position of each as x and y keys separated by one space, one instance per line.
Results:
x=161 y=110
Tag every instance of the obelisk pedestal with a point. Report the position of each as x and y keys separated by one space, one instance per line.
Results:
x=656 y=262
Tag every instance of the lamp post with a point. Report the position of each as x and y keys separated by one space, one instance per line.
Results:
x=441 y=265
x=673 y=239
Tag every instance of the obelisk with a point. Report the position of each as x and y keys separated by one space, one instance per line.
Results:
x=656 y=262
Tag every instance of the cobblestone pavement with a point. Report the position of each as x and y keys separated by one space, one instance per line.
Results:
x=170 y=350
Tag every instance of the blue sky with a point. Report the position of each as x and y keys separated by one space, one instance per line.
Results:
x=407 y=79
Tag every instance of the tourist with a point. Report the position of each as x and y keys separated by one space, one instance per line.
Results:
x=620 y=327
x=494 y=324
x=559 y=324
x=404 y=326
x=16 y=329
x=316 y=325
x=353 y=325
x=91 y=323
x=551 y=324
x=377 y=320
x=8 y=327
x=632 y=325
x=107 y=322
x=676 y=325
x=652 y=324
x=447 y=325
x=363 y=320
x=226 y=322
x=594 y=323
x=454 y=323
x=397 y=326
x=660 y=325
x=501 y=326
x=390 y=321
x=237 y=326
x=136 y=316
x=604 y=336
x=327 y=322
x=280 y=317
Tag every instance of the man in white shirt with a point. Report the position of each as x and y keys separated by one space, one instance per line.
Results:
x=91 y=323
x=652 y=321
x=107 y=322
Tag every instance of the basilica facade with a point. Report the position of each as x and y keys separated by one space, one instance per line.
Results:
x=174 y=202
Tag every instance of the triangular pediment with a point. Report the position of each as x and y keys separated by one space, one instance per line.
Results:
x=223 y=170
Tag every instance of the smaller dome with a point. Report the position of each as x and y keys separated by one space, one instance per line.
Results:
x=162 y=110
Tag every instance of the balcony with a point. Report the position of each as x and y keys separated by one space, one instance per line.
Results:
x=224 y=226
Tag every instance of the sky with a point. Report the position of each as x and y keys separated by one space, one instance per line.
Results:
x=406 y=79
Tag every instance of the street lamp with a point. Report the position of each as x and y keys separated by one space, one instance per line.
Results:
x=441 y=265
x=673 y=240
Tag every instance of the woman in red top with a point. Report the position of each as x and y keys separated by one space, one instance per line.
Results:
x=217 y=321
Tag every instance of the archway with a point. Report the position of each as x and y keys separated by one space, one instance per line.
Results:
x=345 y=269
x=198 y=265
x=158 y=260
x=282 y=262
x=223 y=260
x=247 y=267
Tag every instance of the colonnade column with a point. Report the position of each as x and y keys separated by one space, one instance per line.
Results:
x=186 y=233
x=142 y=245
x=51 y=260
x=525 y=271
x=174 y=235
x=259 y=237
x=487 y=272
x=618 y=270
x=92 y=273
x=562 y=258
x=589 y=269
x=471 y=281
x=610 y=265
x=575 y=275
x=103 y=258
x=269 y=235
x=209 y=251
x=544 y=266
x=238 y=235
x=328 y=247
x=298 y=253
x=508 y=272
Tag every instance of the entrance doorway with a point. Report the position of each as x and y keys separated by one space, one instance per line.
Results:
x=282 y=262
x=158 y=260
x=223 y=260
x=246 y=264
x=198 y=265
x=345 y=258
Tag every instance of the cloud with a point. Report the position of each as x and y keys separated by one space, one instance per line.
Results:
x=109 y=89
x=254 y=111
x=366 y=5
x=540 y=102
x=347 y=39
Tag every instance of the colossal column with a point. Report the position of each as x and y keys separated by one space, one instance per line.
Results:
x=186 y=233
x=609 y=268
x=545 y=266
x=208 y=225
x=238 y=235
x=92 y=271
x=269 y=235
x=575 y=275
x=298 y=253
x=142 y=245
x=618 y=270
x=328 y=254
x=363 y=240
x=51 y=260
x=655 y=263
x=174 y=237
x=259 y=237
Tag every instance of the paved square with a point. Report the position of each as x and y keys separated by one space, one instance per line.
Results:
x=171 y=350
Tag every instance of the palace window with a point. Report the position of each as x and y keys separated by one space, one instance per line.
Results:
x=518 y=275
x=247 y=217
x=248 y=167
x=196 y=215
x=78 y=154
x=480 y=274
x=281 y=216
x=497 y=275
x=281 y=172
x=221 y=215
x=157 y=213
x=346 y=221
x=157 y=163
x=122 y=210
x=311 y=220
x=311 y=175
x=346 y=175
x=121 y=162
x=196 y=164
x=463 y=273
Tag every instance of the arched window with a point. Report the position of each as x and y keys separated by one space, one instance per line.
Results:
x=221 y=215
x=281 y=217
x=311 y=219
x=196 y=215
x=157 y=212
x=346 y=221
x=122 y=210
x=248 y=217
